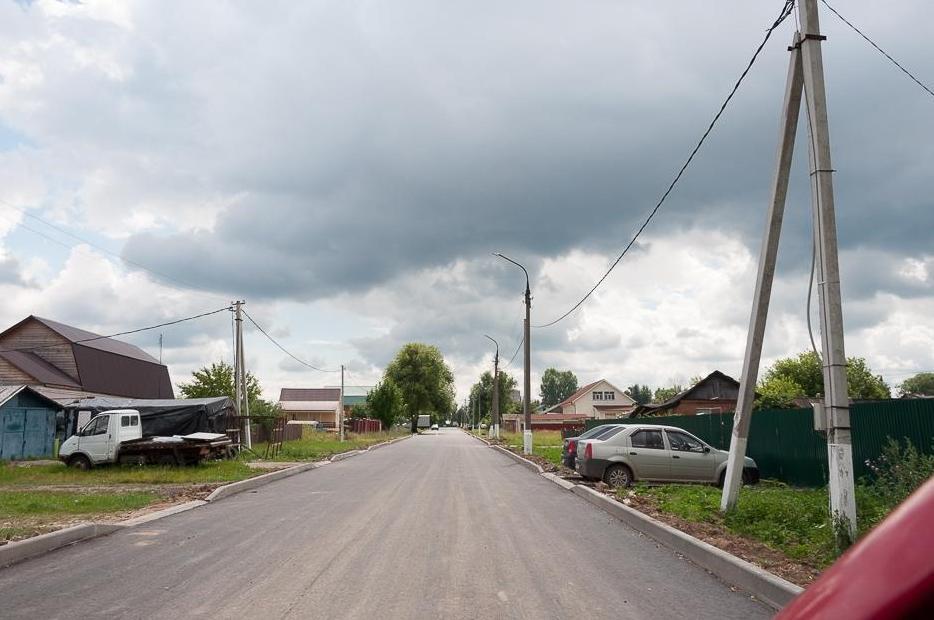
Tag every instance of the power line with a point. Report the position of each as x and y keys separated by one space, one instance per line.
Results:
x=879 y=49
x=785 y=12
x=513 y=358
x=283 y=349
x=132 y=331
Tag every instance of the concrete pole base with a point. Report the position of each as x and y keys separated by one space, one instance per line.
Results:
x=527 y=441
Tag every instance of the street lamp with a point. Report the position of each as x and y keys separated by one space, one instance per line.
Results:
x=495 y=413
x=526 y=379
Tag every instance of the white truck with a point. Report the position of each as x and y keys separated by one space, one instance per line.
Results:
x=116 y=437
x=424 y=421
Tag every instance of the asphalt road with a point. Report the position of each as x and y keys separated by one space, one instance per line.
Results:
x=437 y=526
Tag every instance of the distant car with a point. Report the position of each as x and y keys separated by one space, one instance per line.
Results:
x=656 y=453
x=434 y=427
x=569 y=447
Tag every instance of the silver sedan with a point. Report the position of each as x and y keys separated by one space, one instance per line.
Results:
x=656 y=453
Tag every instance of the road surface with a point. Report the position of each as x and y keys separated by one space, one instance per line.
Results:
x=437 y=526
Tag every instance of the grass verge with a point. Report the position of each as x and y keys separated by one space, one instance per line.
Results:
x=791 y=520
x=58 y=474
x=546 y=444
x=27 y=513
x=322 y=445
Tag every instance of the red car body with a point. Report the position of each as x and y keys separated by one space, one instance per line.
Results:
x=888 y=574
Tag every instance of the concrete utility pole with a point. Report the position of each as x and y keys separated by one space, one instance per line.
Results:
x=495 y=412
x=527 y=356
x=340 y=415
x=242 y=404
x=805 y=73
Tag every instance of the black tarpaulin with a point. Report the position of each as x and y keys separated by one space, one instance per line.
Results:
x=166 y=416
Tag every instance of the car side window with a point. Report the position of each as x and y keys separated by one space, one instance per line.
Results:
x=648 y=439
x=125 y=420
x=684 y=443
x=102 y=422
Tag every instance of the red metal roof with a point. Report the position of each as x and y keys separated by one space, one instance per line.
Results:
x=96 y=341
x=38 y=368
x=310 y=394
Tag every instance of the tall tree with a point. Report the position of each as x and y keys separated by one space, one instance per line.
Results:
x=218 y=380
x=556 y=386
x=384 y=402
x=482 y=391
x=921 y=384
x=802 y=376
x=425 y=380
x=642 y=394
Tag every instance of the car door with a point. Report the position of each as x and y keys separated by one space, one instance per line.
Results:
x=94 y=439
x=648 y=456
x=689 y=459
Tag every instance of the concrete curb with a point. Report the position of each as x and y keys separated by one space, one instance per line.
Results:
x=561 y=482
x=770 y=589
x=525 y=462
x=251 y=483
x=17 y=551
x=167 y=512
x=345 y=455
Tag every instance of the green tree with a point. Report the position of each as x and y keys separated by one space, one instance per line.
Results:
x=921 y=384
x=218 y=380
x=426 y=381
x=802 y=376
x=482 y=391
x=385 y=403
x=556 y=386
x=360 y=410
x=664 y=393
x=642 y=394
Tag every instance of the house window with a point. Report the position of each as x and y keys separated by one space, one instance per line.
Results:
x=609 y=396
x=598 y=395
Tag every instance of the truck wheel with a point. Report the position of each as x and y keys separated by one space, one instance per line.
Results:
x=79 y=461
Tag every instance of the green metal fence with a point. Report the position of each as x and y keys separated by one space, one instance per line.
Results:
x=786 y=447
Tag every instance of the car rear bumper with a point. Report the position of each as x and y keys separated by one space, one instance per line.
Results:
x=591 y=468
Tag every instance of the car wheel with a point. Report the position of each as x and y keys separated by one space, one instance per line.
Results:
x=744 y=480
x=617 y=476
x=79 y=461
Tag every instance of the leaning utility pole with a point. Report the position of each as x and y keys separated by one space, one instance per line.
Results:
x=526 y=371
x=241 y=393
x=805 y=74
x=340 y=415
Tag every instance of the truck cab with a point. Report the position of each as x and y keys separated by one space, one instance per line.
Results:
x=99 y=440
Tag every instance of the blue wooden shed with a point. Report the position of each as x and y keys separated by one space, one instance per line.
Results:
x=27 y=423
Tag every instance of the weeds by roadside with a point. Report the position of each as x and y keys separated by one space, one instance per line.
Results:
x=12 y=476
x=323 y=445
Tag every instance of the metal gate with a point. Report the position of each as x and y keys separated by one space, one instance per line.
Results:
x=26 y=433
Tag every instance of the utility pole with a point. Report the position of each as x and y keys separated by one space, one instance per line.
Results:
x=805 y=76
x=494 y=421
x=527 y=358
x=160 y=347
x=341 y=414
x=242 y=404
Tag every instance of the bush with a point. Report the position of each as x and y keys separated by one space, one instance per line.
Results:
x=898 y=472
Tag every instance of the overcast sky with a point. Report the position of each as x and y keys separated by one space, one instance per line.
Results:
x=348 y=168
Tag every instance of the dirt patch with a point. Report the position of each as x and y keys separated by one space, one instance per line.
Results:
x=753 y=551
x=169 y=495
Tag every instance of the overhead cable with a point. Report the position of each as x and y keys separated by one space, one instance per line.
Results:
x=283 y=349
x=132 y=331
x=878 y=49
x=785 y=12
